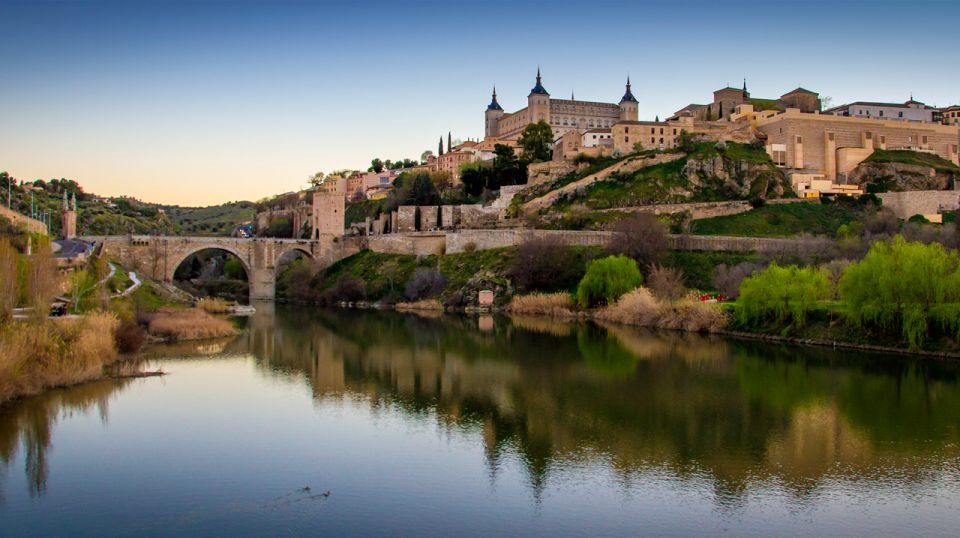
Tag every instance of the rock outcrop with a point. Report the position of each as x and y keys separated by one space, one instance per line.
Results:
x=901 y=177
x=735 y=179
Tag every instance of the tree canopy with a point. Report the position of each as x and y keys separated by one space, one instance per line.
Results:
x=537 y=141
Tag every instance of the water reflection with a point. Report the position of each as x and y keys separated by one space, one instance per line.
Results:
x=28 y=425
x=566 y=395
x=558 y=394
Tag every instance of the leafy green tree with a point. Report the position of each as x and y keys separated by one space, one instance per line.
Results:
x=425 y=156
x=783 y=294
x=537 y=141
x=232 y=268
x=316 y=179
x=607 y=279
x=423 y=191
x=904 y=286
x=376 y=165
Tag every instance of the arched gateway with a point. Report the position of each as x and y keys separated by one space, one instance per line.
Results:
x=159 y=256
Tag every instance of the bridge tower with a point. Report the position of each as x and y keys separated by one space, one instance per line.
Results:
x=69 y=216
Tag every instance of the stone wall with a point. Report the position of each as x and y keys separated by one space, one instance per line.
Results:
x=416 y=244
x=538 y=173
x=407 y=218
x=478 y=216
x=910 y=203
x=702 y=210
x=429 y=217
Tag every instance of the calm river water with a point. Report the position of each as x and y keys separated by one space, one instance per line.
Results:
x=493 y=426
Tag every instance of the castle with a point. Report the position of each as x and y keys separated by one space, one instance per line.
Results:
x=562 y=115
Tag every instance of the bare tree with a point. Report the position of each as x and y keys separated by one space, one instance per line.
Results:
x=666 y=282
x=641 y=237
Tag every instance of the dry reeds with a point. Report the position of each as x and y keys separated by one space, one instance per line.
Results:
x=36 y=356
x=542 y=304
x=641 y=308
x=214 y=305
x=187 y=324
x=425 y=304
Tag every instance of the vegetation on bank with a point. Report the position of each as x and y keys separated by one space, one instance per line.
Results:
x=784 y=220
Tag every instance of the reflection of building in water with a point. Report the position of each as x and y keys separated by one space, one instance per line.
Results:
x=692 y=403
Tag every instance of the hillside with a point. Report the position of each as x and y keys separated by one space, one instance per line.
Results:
x=121 y=215
x=904 y=170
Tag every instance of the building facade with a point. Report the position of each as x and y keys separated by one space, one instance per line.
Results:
x=563 y=115
x=909 y=111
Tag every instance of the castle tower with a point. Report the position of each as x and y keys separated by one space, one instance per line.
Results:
x=538 y=102
x=69 y=217
x=492 y=116
x=327 y=210
x=629 y=107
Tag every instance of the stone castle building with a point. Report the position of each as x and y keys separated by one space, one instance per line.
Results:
x=562 y=115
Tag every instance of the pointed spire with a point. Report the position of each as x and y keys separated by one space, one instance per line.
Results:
x=744 y=84
x=628 y=95
x=572 y=98
x=539 y=89
x=494 y=105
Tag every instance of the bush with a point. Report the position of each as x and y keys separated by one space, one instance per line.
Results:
x=727 y=278
x=783 y=294
x=607 y=279
x=666 y=282
x=641 y=237
x=544 y=264
x=279 y=227
x=883 y=223
x=424 y=284
x=904 y=286
x=346 y=289
x=640 y=307
x=187 y=324
x=212 y=305
x=129 y=337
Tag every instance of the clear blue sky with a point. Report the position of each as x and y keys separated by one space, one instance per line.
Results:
x=199 y=103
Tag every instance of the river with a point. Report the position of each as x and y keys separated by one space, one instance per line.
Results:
x=377 y=423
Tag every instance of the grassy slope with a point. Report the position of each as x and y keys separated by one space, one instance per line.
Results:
x=213 y=220
x=913 y=157
x=780 y=220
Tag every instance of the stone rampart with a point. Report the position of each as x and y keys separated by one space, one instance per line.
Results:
x=909 y=203
x=19 y=219
x=538 y=173
x=429 y=217
x=407 y=218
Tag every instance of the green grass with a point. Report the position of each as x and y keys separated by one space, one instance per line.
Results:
x=904 y=156
x=460 y=268
x=358 y=211
x=780 y=220
x=381 y=272
x=766 y=104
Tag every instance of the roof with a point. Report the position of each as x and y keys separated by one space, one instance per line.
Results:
x=874 y=103
x=729 y=88
x=800 y=90
x=539 y=89
x=597 y=131
x=628 y=95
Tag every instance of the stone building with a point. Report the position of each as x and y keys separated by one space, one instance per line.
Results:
x=562 y=115
x=950 y=115
x=69 y=214
x=908 y=111
x=834 y=145
x=312 y=213
x=726 y=100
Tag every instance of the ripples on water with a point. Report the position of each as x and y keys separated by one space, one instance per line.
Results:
x=476 y=427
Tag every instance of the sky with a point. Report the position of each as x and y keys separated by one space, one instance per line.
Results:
x=198 y=103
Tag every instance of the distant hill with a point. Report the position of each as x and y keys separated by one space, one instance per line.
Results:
x=98 y=215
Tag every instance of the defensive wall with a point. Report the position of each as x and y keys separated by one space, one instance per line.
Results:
x=19 y=219
x=927 y=203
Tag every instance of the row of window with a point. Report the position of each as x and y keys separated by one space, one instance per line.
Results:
x=591 y=123
x=653 y=130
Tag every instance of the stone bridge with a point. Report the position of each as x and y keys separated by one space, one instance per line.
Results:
x=158 y=257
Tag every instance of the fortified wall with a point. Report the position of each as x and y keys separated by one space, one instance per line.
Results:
x=927 y=203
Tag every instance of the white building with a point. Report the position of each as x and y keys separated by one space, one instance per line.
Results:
x=908 y=111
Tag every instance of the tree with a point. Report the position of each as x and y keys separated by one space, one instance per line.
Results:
x=666 y=282
x=641 y=237
x=449 y=142
x=316 y=179
x=424 y=284
x=475 y=177
x=543 y=264
x=537 y=141
x=423 y=191
x=507 y=169
x=440 y=150
x=783 y=294
x=376 y=165
x=425 y=156
x=9 y=279
x=607 y=279
x=903 y=285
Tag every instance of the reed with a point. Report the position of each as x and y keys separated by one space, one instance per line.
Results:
x=425 y=304
x=641 y=308
x=542 y=304
x=214 y=305
x=52 y=353
x=187 y=324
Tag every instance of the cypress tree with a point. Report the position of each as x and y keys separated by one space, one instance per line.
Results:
x=440 y=150
x=449 y=142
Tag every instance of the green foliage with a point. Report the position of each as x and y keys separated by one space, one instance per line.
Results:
x=607 y=279
x=506 y=169
x=782 y=294
x=358 y=211
x=782 y=220
x=233 y=268
x=904 y=285
x=376 y=165
x=698 y=266
x=212 y=220
x=278 y=227
x=904 y=156
x=537 y=141
x=766 y=104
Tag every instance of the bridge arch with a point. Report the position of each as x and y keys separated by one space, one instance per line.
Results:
x=211 y=270
x=185 y=254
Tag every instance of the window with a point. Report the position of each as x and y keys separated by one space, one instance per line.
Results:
x=883 y=139
x=626 y=139
x=924 y=140
x=652 y=130
x=900 y=114
x=626 y=129
x=881 y=113
x=661 y=130
x=799 y=140
x=661 y=141
x=674 y=132
x=653 y=141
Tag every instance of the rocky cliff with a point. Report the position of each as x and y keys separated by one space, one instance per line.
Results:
x=890 y=176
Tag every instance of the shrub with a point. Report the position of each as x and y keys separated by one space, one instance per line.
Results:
x=424 y=284
x=470 y=247
x=129 y=337
x=607 y=279
x=547 y=304
x=904 y=286
x=727 y=278
x=9 y=279
x=426 y=304
x=783 y=294
x=883 y=223
x=213 y=305
x=346 y=289
x=543 y=264
x=640 y=307
x=666 y=282
x=641 y=237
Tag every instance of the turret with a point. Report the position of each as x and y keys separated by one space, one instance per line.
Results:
x=69 y=217
x=492 y=116
x=629 y=107
x=538 y=102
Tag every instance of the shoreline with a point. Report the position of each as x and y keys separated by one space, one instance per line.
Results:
x=584 y=316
